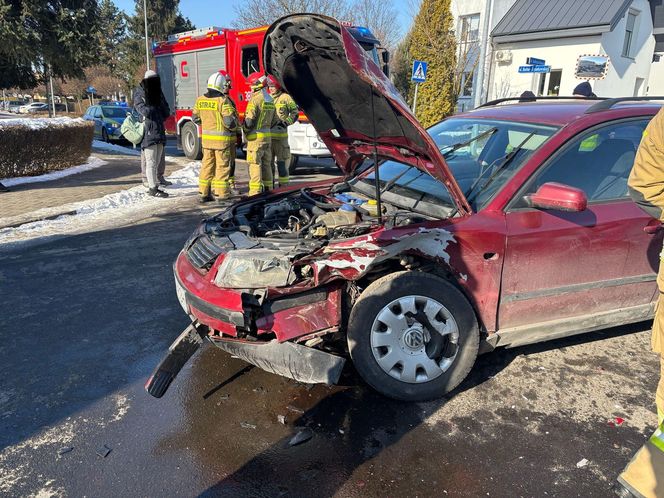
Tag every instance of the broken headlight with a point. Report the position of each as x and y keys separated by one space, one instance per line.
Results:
x=254 y=268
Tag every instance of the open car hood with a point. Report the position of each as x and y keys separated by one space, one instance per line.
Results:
x=351 y=103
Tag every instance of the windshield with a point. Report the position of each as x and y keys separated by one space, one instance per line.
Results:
x=114 y=112
x=371 y=51
x=478 y=166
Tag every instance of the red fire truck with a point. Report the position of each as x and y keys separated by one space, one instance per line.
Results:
x=186 y=60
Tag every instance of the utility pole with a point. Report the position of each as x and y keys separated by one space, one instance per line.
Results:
x=147 y=44
x=50 y=82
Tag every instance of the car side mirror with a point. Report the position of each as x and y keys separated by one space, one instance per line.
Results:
x=558 y=197
x=385 y=56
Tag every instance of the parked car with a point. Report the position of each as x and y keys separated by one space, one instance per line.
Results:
x=33 y=107
x=507 y=225
x=15 y=105
x=107 y=120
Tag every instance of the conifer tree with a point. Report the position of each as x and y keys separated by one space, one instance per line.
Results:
x=432 y=41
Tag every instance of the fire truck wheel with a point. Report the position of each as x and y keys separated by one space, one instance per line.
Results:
x=191 y=144
x=293 y=164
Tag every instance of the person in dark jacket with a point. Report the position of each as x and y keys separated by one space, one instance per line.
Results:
x=150 y=103
x=584 y=90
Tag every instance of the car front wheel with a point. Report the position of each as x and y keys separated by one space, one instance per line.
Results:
x=413 y=336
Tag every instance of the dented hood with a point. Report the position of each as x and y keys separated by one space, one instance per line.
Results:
x=351 y=103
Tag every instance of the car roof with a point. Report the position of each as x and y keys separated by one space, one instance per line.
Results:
x=559 y=113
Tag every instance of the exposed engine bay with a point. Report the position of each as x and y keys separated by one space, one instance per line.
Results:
x=262 y=237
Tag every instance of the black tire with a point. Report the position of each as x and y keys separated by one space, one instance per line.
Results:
x=104 y=136
x=191 y=144
x=293 y=164
x=389 y=288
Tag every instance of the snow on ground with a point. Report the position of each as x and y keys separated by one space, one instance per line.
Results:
x=93 y=162
x=40 y=123
x=120 y=206
x=98 y=144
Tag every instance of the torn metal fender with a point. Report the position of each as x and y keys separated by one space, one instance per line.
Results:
x=351 y=259
x=287 y=359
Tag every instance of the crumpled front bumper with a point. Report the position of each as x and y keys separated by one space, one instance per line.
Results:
x=236 y=313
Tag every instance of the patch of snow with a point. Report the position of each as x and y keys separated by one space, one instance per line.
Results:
x=116 y=206
x=582 y=463
x=93 y=162
x=40 y=123
x=98 y=144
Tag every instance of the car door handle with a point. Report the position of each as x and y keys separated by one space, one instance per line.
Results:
x=653 y=227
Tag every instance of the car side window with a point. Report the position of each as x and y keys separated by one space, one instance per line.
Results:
x=97 y=112
x=597 y=162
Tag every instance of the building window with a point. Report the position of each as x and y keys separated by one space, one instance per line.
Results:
x=469 y=28
x=629 y=34
x=467 y=84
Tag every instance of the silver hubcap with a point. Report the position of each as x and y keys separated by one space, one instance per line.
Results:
x=398 y=340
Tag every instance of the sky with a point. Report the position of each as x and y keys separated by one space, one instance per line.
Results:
x=222 y=13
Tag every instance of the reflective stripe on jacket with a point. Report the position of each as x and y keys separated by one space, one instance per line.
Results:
x=286 y=114
x=211 y=114
x=259 y=116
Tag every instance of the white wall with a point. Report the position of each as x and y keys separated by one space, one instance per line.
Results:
x=624 y=71
x=560 y=53
x=491 y=12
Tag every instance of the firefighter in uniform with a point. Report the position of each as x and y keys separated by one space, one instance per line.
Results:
x=258 y=120
x=644 y=475
x=217 y=115
x=286 y=114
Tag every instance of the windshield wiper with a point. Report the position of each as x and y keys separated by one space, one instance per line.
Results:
x=460 y=145
x=394 y=180
x=497 y=169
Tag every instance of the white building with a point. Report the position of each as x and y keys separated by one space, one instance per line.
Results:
x=510 y=32
x=474 y=21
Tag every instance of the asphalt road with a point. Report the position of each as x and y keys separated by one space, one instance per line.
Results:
x=84 y=319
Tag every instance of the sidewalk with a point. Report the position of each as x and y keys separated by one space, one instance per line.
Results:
x=31 y=201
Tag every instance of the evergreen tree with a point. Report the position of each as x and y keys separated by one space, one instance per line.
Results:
x=164 y=18
x=432 y=41
x=111 y=36
x=46 y=38
x=402 y=63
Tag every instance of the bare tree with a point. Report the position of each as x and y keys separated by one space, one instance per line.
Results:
x=74 y=88
x=260 y=12
x=377 y=15
x=380 y=18
x=102 y=79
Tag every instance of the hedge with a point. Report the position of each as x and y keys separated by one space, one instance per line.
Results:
x=31 y=147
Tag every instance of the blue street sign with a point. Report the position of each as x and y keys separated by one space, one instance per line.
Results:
x=532 y=61
x=534 y=69
x=91 y=89
x=419 y=74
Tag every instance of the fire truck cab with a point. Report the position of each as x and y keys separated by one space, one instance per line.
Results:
x=186 y=60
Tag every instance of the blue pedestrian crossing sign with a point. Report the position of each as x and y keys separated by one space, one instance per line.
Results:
x=419 y=72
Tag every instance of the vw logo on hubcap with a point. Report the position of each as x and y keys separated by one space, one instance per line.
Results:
x=414 y=339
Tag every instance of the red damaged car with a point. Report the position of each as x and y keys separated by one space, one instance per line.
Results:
x=503 y=226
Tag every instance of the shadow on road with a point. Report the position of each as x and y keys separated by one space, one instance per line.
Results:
x=83 y=316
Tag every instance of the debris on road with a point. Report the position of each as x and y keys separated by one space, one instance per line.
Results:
x=65 y=449
x=301 y=437
x=582 y=463
x=247 y=425
x=616 y=422
x=103 y=451
x=294 y=409
x=281 y=419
